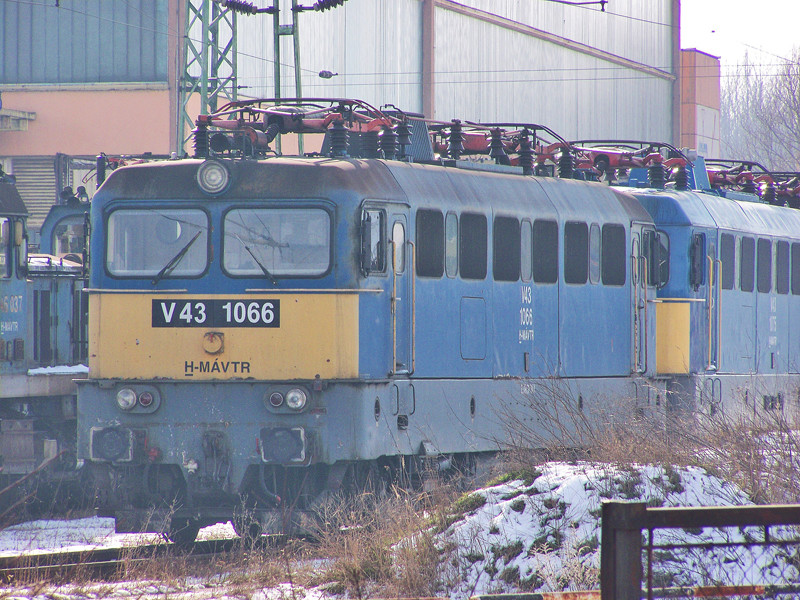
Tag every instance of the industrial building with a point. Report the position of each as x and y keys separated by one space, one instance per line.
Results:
x=79 y=77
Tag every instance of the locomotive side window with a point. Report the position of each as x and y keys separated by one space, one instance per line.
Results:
x=451 y=245
x=697 y=256
x=747 y=264
x=727 y=253
x=164 y=242
x=656 y=253
x=373 y=242
x=6 y=264
x=764 y=265
x=576 y=253
x=525 y=250
x=473 y=246
x=430 y=243
x=69 y=236
x=661 y=259
x=613 y=255
x=782 y=267
x=261 y=242
x=594 y=253
x=506 y=249
x=398 y=246
x=545 y=251
x=796 y=269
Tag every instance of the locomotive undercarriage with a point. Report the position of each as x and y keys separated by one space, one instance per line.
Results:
x=181 y=468
x=40 y=472
x=271 y=499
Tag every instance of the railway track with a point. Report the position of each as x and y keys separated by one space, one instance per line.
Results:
x=107 y=563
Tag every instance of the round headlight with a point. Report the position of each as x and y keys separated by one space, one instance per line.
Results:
x=213 y=177
x=145 y=399
x=276 y=399
x=126 y=398
x=296 y=399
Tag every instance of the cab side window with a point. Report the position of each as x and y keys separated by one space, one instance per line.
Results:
x=6 y=263
x=373 y=240
x=430 y=243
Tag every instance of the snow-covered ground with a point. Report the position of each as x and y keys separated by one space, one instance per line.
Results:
x=544 y=534
x=541 y=534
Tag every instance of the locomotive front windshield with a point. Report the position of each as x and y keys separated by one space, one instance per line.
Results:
x=152 y=242
x=284 y=241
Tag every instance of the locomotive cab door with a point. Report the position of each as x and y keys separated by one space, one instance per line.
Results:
x=401 y=256
x=644 y=267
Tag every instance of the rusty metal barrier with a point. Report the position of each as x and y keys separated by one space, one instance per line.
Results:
x=719 y=552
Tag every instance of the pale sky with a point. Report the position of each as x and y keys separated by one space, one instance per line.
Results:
x=765 y=29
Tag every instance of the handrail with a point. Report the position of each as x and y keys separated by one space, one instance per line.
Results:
x=710 y=312
x=645 y=283
x=413 y=271
x=393 y=305
x=718 y=306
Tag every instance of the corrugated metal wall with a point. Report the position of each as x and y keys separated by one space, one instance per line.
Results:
x=485 y=70
x=80 y=41
x=36 y=183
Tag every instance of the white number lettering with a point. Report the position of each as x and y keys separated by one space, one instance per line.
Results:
x=227 y=308
x=267 y=314
x=526 y=316
x=239 y=312
x=201 y=310
x=252 y=312
x=186 y=313
x=167 y=313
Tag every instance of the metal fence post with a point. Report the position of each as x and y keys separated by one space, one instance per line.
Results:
x=621 y=550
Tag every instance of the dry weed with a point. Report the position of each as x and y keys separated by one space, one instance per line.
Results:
x=757 y=450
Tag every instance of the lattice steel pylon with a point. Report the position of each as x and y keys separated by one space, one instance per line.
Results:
x=208 y=60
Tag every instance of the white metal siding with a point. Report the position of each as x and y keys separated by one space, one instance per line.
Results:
x=483 y=71
x=36 y=183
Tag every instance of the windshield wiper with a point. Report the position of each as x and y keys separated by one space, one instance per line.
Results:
x=173 y=262
x=264 y=269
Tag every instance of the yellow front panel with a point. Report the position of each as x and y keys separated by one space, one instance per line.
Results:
x=672 y=337
x=317 y=337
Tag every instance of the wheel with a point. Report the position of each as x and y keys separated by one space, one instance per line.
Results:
x=246 y=524
x=182 y=531
x=246 y=527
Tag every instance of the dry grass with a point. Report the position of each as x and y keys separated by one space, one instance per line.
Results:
x=758 y=450
x=385 y=548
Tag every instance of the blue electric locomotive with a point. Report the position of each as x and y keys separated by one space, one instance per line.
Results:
x=265 y=330
x=42 y=337
x=269 y=330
